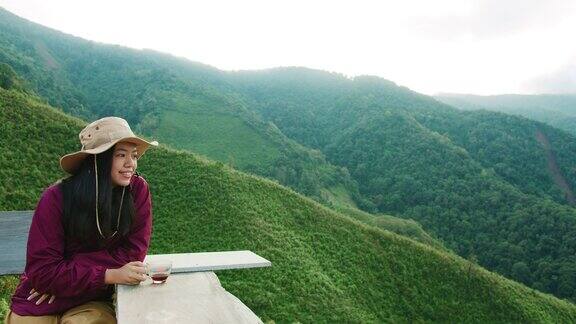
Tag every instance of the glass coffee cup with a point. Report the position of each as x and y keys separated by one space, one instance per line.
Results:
x=159 y=271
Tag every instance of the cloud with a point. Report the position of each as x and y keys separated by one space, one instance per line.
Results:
x=486 y=19
x=562 y=80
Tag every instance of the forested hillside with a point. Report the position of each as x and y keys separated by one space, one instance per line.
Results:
x=493 y=187
x=478 y=180
x=373 y=276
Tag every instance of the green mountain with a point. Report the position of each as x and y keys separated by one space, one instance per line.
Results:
x=333 y=104
x=556 y=110
x=199 y=205
x=492 y=187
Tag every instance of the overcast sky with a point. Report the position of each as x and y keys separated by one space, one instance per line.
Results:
x=463 y=46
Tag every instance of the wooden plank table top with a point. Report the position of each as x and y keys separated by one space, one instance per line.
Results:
x=209 y=261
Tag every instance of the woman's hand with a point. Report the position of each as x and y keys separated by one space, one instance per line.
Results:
x=131 y=273
x=34 y=294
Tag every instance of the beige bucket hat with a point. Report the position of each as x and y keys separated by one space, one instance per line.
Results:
x=101 y=135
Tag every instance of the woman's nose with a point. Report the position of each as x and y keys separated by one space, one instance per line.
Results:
x=130 y=161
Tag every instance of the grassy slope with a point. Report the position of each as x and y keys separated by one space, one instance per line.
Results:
x=405 y=227
x=326 y=267
x=211 y=128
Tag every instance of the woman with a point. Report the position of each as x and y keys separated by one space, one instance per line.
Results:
x=89 y=231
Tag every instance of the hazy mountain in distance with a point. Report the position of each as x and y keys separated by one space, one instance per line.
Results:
x=558 y=110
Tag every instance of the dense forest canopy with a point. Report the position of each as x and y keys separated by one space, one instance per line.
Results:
x=480 y=181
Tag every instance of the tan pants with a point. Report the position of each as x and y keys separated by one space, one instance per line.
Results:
x=89 y=313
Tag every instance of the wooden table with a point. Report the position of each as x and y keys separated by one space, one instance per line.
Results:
x=192 y=294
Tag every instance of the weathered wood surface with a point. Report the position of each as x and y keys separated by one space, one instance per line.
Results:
x=210 y=261
x=14 y=227
x=195 y=297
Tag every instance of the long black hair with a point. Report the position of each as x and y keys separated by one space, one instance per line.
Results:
x=79 y=203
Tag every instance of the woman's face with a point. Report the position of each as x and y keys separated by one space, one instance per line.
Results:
x=124 y=163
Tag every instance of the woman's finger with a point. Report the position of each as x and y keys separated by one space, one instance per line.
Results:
x=34 y=295
x=51 y=299
x=41 y=299
x=136 y=263
x=132 y=280
x=137 y=277
x=32 y=291
x=139 y=269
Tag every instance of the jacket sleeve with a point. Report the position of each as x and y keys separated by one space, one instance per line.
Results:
x=134 y=246
x=46 y=267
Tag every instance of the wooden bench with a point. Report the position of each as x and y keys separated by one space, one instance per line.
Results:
x=14 y=226
x=192 y=294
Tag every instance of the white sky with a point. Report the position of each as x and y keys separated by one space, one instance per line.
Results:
x=463 y=46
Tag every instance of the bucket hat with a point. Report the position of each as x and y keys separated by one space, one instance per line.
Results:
x=101 y=135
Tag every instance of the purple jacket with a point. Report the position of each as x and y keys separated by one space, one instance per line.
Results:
x=73 y=275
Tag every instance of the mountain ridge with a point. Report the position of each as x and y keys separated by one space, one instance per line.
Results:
x=557 y=110
x=476 y=180
x=201 y=205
